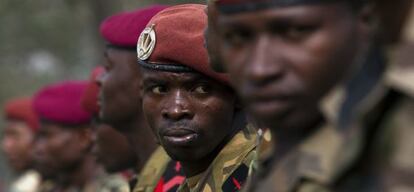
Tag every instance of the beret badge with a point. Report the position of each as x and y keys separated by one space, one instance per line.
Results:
x=146 y=43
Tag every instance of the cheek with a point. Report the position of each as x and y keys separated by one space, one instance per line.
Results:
x=217 y=115
x=151 y=111
x=318 y=63
x=234 y=64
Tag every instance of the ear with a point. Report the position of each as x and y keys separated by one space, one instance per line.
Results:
x=85 y=139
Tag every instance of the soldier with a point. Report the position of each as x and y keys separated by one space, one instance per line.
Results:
x=313 y=71
x=64 y=140
x=192 y=110
x=120 y=107
x=111 y=148
x=18 y=138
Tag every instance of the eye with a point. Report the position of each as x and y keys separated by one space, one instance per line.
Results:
x=202 y=89
x=236 y=38
x=299 y=32
x=159 y=89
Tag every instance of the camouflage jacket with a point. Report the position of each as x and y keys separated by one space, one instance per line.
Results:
x=102 y=183
x=230 y=169
x=371 y=151
x=160 y=174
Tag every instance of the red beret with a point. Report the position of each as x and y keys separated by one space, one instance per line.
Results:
x=89 y=98
x=22 y=109
x=123 y=29
x=61 y=103
x=174 y=41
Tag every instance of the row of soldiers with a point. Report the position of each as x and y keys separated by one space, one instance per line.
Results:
x=238 y=95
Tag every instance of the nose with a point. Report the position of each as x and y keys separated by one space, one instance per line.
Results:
x=177 y=107
x=99 y=79
x=39 y=149
x=264 y=66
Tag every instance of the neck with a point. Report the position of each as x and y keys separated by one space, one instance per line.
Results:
x=80 y=175
x=142 y=141
x=288 y=136
x=193 y=168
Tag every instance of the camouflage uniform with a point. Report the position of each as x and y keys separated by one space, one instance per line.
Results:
x=102 y=183
x=231 y=167
x=160 y=173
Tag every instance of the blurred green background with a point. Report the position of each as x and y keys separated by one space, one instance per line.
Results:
x=45 y=41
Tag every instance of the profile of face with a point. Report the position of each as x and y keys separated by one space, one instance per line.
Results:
x=190 y=114
x=211 y=36
x=60 y=149
x=112 y=149
x=17 y=145
x=119 y=92
x=282 y=61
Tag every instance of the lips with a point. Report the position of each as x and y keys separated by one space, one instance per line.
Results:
x=179 y=137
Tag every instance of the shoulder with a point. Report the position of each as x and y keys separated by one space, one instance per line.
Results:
x=113 y=183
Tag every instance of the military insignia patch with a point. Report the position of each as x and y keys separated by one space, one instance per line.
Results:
x=146 y=43
x=236 y=180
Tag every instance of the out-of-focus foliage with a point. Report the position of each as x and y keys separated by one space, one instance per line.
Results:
x=44 y=41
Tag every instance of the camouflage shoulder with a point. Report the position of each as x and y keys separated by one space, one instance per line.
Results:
x=113 y=183
x=400 y=75
x=152 y=171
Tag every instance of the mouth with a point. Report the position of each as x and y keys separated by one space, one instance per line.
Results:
x=269 y=105
x=179 y=137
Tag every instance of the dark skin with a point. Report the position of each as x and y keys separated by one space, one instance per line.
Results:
x=17 y=145
x=213 y=48
x=283 y=61
x=63 y=152
x=192 y=116
x=111 y=149
x=121 y=104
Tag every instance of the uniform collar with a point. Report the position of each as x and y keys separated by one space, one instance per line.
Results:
x=227 y=161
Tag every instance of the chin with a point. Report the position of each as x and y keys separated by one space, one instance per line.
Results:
x=183 y=154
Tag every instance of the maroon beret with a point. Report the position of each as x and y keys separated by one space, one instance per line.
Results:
x=22 y=109
x=61 y=103
x=123 y=29
x=174 y=41
x=89 y=98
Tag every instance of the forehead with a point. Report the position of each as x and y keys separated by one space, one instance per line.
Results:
x=149 y=75
x=113 y=53
x=321 y=11
x=54 y=128
x=15 y=124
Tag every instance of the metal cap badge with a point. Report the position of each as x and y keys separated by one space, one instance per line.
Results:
x=146 y=43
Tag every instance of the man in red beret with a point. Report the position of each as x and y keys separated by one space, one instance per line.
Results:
x=120 y=107
x=313 y=72
x=18 y=137
x=110 y=147
x=65 y=139
x=192 y=110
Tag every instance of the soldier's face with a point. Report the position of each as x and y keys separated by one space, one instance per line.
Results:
x=190 y=114
x=112 y=149
x=59 y=149
x=282 y=61
x=119 y=87
x=17 y=145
